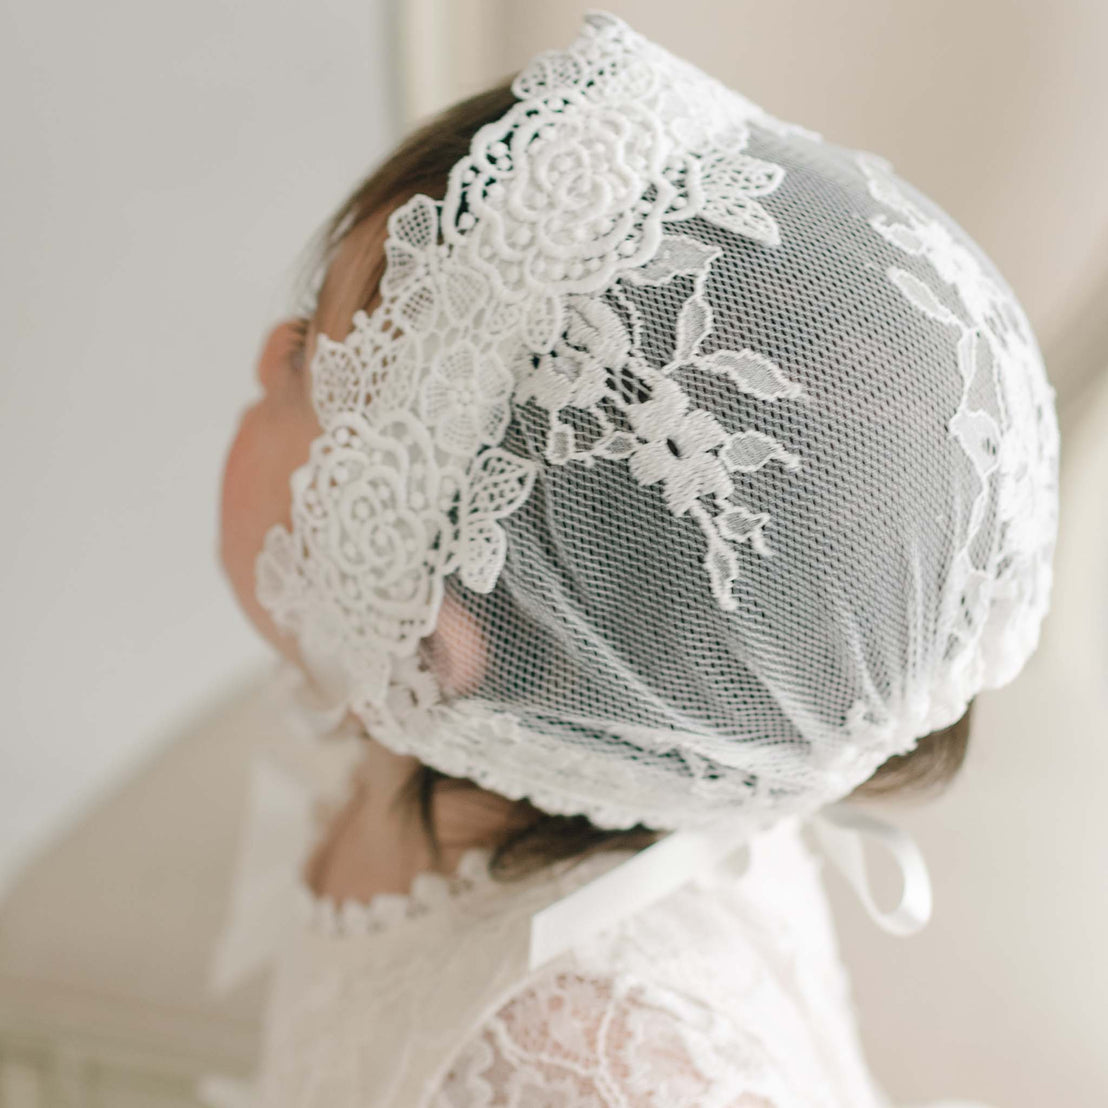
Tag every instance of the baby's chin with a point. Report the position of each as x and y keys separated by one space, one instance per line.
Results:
x=282 y=642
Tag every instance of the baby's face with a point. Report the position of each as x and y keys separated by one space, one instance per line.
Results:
x=275 y=434
x=274 y=438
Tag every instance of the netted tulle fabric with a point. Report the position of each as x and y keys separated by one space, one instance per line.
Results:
x=736 y=450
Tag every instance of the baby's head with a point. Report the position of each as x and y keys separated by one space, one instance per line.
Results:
x=670 y=456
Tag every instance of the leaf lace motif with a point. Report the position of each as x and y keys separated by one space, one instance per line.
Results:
x=1018 y=569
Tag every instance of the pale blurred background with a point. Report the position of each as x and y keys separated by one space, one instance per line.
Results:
x=165 y=165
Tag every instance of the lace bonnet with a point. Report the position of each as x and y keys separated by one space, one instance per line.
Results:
x=735 y=447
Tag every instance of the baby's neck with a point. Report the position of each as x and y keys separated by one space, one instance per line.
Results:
x=374 y=846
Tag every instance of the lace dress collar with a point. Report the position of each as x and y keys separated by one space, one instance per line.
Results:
x=429 y=892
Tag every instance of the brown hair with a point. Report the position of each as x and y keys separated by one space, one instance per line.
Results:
x=421 y=164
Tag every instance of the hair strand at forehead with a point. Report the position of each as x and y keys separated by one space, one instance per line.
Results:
x=420 y=164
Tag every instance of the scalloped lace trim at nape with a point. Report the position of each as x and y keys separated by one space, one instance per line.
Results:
x=384 y=910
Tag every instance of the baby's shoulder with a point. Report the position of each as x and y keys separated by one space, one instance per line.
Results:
x=607 y=1036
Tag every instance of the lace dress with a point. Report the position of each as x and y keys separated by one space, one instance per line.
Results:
x=726 y=993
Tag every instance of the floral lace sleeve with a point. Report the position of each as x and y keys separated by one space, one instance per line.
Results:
x=576 y=1040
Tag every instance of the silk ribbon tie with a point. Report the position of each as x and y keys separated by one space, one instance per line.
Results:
x=839 y=829
x=666 y=865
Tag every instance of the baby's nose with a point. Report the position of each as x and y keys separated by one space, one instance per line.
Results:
x=270 y=360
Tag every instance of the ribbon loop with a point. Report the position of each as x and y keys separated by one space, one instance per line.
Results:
x=839 y=830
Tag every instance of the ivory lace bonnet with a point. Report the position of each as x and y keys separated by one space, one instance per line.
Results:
x=736 y=447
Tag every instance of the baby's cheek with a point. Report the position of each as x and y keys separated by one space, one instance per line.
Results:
x=272 y=442
x=233 y=495
x=255 y=495
x=238 y=530
x=461 y=658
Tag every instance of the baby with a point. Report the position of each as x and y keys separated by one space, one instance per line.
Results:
x=643 y=463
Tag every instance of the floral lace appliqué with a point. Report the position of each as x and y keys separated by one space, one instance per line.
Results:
x=509 y=290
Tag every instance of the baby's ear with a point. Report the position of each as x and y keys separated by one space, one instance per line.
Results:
x=457 y=649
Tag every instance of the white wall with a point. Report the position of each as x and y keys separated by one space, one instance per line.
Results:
x=163 y=166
